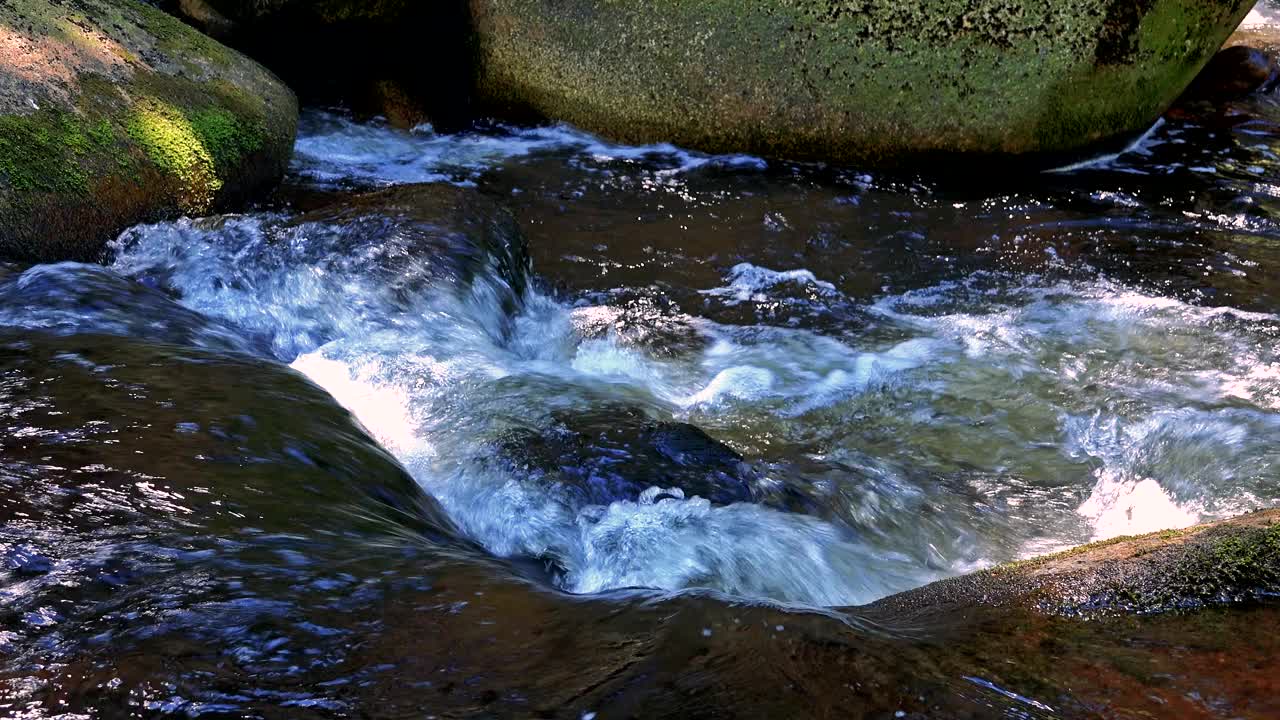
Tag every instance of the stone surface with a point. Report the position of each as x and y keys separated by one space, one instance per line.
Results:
x=1238 y=559
x=112 y=113
x=617 y=453
x=876 y=81
x=1233 y=73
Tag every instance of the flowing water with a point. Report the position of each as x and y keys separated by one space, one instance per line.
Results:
x=619 y=417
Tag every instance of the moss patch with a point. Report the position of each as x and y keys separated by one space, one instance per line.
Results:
x=199 y=149
x=167 y=137
x=226 y=137
x=1218 y=568
x=44 y=151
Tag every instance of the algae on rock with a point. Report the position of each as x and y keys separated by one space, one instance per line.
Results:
x=113 y=113
x=882 y=82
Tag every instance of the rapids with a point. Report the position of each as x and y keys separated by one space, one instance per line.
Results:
x=597 y=381
x=939 y=423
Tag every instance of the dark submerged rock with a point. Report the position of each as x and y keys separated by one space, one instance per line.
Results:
x=692 y=656
x=606 y=454
x=25 y=560
x=1234 y=73
x=113 y=113
x=131 y=433
x=74 y=298
x=443 y=231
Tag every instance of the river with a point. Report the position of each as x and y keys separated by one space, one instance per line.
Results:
x=618 y=417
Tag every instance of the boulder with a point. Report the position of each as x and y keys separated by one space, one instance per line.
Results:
x=878 y=82
x=403 y=59
x=113 y=113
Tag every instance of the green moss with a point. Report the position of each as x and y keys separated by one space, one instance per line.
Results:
x=44 y=151
x=168 y=138
x=1243 y=562
x=200 y=148
x=102 y=135
x=878 y=81
x=227 y=138
x=1214 y=565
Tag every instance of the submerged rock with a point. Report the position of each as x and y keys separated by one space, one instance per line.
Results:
x=75 y=298
x=346 y=266
x=601 y=456
x=881 y=82
x=428 y=235
x=1237 y=559
x=135 y=434
x=112 y=113
x=1234 y=73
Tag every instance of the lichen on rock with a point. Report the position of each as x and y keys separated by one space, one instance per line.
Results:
x=881 y=82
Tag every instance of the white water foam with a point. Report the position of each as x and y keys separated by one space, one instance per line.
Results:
x=433 y=382
x=1135 y=411
x=332 y=149
x=1263 y=15
x=1174 y=445
x=751 y=283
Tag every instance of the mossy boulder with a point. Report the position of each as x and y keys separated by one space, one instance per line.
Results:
x=881 y=82
x=113 y=113
x=1237 y=559
x=406 y=60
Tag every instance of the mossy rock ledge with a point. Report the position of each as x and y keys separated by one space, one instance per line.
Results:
x=876 y=82
x=113 y=113
x=1232 y=560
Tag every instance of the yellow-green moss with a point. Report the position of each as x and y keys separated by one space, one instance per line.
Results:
x=226 y=137
x=172 y=143
x=198 y=148
x=43 y=151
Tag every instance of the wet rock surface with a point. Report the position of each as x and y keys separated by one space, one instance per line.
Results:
x=454 y=233
x=618 y=453
x=1234 y=73
x=1231 y=561
x=113 y=113
x=921 y=380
